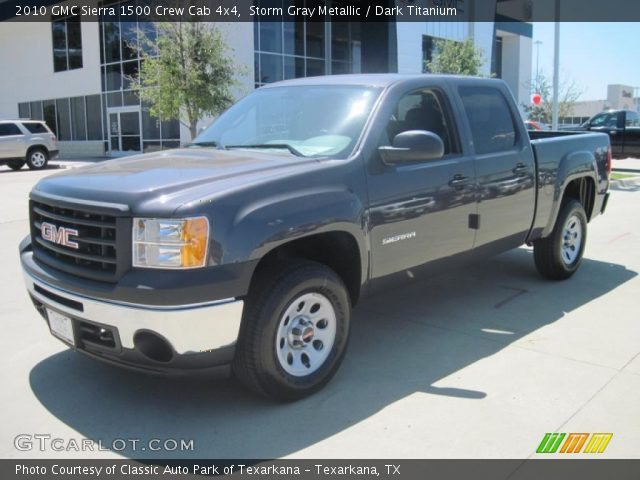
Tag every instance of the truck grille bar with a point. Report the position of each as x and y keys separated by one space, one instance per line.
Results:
x=98 y=250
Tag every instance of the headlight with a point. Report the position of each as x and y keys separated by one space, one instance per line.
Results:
x=170 y=243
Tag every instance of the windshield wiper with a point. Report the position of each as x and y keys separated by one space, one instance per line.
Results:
x=274 y=146
x=206 y=144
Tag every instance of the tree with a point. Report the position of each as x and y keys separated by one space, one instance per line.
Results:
x=459 y=58
x=568 y=95
x=185 y=73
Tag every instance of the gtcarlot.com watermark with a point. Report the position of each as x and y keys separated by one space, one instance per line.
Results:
x=42 y=442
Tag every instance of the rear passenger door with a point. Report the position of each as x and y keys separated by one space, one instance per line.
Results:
x=10 y=140
x=505 y=167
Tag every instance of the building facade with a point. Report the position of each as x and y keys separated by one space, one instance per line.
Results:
x=619 y=97
x=75 y=75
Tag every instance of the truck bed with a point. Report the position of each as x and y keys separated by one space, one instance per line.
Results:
x=554 y=152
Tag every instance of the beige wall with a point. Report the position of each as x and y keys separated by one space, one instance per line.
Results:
x=26 y=64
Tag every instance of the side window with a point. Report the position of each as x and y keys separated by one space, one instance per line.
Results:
x=7 y=129
x=605 y=120
x=35 y=127
x=492 y=126
x=422 y=110
x=633 y=119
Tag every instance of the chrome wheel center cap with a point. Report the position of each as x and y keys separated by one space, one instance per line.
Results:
x=301 y=332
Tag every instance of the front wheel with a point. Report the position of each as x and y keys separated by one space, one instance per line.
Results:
x=37 y=158
x=15 y=164
x=294 y=332
x=559 y=255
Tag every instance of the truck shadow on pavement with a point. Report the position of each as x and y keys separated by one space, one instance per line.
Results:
x=401 y=344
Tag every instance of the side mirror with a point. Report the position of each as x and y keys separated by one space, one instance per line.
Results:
x=413 y=146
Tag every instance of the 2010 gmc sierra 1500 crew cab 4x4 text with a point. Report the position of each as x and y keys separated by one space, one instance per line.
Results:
x=250 y=247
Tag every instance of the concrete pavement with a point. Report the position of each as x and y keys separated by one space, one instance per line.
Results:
x=480 y=362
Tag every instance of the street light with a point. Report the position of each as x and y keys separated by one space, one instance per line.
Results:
x=537 y=43
x=556 y=69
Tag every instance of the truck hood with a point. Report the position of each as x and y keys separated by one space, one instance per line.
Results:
x=167 y=177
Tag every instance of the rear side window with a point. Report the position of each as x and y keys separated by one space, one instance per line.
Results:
x=35 y=127
x=492 y=126
x=7 y=129
x=633 y=119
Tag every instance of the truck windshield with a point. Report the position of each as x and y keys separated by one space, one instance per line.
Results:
x=305 y=120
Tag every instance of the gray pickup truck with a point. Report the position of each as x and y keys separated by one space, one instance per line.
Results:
x=250 y=247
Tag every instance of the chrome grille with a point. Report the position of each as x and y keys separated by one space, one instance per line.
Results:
x=97 y=252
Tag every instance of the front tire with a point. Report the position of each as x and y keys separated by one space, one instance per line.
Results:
x=15 y=164
x=37 y=159
x=558 y=256
x=294 y=331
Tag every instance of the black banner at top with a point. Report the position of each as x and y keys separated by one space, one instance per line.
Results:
x=326 y=10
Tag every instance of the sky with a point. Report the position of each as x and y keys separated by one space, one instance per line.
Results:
x=593 y=55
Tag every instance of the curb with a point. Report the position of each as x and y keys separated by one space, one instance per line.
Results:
x=626 y=182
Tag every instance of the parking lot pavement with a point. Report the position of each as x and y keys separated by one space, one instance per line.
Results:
x=479 y=362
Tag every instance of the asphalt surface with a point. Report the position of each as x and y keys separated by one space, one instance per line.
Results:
x=479 y=362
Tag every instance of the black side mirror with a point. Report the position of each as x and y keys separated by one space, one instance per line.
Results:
x=413 y=146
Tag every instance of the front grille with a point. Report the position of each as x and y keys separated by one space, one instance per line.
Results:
x=98 y=252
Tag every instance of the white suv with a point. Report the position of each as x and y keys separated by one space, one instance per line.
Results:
x=26 y=141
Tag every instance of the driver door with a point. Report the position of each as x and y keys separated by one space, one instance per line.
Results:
x=420 y=211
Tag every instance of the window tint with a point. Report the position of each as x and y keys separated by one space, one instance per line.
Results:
x=63 y=118
x=35 y=127
x=67 y=44
x=633 y=119
x=94 y=117
x=489 y=115
x=24 y=110
x=605 y=120
x=49 y=107
x=36 y=111
x=7 y=129
x=422 y=110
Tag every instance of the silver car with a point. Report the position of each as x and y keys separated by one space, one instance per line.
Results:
x=26 y=141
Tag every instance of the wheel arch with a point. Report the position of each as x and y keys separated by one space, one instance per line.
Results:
x=338 y=250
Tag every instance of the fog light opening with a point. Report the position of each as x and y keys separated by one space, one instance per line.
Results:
x=153 y=346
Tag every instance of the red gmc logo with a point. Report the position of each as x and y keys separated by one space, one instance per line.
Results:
x=59 y=235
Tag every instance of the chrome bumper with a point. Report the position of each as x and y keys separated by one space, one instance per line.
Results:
x=188 y=328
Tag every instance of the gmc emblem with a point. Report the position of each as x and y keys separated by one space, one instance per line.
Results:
x=59 y=235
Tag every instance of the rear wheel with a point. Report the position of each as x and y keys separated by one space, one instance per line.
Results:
x=37 y=158
x=15 y=164
x=559 y=255
x=294 y=332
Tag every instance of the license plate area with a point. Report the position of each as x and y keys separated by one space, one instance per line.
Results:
x=61 y=326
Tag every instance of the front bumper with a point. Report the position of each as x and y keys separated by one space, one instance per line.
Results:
x=161 y=339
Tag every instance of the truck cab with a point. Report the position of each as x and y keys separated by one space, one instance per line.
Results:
x=622 y=126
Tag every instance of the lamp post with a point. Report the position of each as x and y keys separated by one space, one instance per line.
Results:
x=556 y=69
x=536 y=84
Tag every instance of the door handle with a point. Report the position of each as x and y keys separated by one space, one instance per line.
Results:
x=520 y=169
x=459 y=181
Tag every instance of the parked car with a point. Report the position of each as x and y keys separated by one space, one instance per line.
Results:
x=251 y=247
x=534 y=125
x=623 y=127
x=26 y=141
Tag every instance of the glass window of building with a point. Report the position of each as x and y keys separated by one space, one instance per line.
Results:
x=67 y=44
x=63 y=118
x=286 y=50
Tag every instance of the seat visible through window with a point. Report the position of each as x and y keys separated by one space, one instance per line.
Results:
x=421 y=110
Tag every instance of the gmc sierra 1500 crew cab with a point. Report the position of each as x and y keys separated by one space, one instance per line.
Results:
x=250 y=247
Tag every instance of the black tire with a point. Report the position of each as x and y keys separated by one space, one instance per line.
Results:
x=548 y=254
x=37 y=158
x=15 y=164
x=256 y=364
